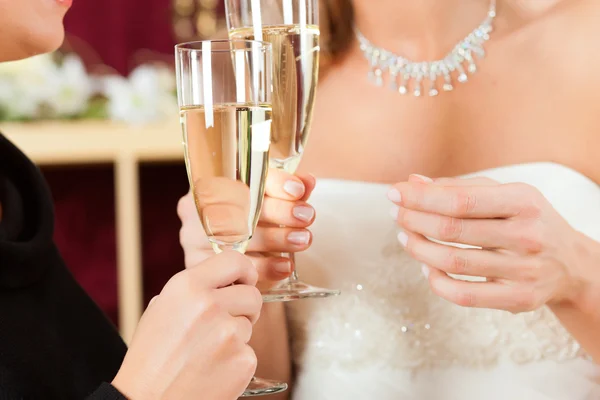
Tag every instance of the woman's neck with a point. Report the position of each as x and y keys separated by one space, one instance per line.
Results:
x=418 y=29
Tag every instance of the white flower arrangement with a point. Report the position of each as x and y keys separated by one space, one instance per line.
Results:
x=52 y=87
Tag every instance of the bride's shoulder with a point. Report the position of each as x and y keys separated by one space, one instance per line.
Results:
x=573 y=50
x=542 y=8
x=577 y=30
x=567 y=27
x=564 y=17
x=567 y=32
x=576 y=16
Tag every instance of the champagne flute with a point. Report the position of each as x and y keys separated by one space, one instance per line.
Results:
x=291 y=26
x=224 y=91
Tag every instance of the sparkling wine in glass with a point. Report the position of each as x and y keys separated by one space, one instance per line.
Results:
x=291 y=26
x=224 y=92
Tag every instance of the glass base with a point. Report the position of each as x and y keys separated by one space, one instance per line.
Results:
x=261 y=387
x=296 y=290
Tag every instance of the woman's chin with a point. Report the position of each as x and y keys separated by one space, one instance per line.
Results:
x=32 y=45
x=52 y=42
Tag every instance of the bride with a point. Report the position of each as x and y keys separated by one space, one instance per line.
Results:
x=503 y=301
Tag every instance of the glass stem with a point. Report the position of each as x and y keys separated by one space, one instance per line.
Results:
x=293 y=278
x=289 y=168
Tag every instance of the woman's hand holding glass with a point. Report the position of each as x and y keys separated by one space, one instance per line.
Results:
x=192 y=341
x=285 y=204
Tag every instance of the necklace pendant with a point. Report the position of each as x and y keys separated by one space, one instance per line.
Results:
x=479 y=52
x=445 y=70
x=448 y=87
x=394 y=77
x=403 y=89
x=472 y=68
x=378 y=77
x=417 y=91
x=432 y=79
x=462 y=77
x=417 y=74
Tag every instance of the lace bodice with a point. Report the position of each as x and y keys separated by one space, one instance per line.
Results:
x=387 y=319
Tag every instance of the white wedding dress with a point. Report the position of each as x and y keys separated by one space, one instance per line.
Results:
x=387 y=337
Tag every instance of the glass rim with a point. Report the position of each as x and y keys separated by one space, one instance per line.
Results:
x=186 y=46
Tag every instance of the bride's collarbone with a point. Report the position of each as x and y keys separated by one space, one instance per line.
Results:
x=387 y=148
x=379 y=136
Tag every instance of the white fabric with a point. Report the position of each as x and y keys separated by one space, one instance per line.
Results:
x=387 y=337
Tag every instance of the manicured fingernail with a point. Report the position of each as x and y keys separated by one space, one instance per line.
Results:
x=423 y=178
x=403 y=238
x=284 y=267
x=304 y=213
x=394 y=211
x=425 y=271
x=299 y=237
x=294 y=188
x=394 y=195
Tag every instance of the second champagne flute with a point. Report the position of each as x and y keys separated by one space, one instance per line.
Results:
x=224 y=92
x=291 y=26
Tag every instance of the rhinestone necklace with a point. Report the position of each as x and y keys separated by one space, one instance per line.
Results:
x=405 y=74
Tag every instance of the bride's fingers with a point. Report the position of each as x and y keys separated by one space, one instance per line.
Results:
x=476 y=180
x=292 y=214
x=481 y=181
x=284 y=186
x=271 y=269
x=309 y=184
x=495 y=295
x=266 y=239
x=280 y=240
x=469 y=262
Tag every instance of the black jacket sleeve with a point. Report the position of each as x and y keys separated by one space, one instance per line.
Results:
x=106 y=391
x=55 y=342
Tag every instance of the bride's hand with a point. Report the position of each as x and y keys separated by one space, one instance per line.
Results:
x=284 y=204
x=524 y=244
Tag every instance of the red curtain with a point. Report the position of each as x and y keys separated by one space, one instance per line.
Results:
x=117 y=33
x=119 y=30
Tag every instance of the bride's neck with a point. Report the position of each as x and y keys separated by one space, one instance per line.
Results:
x=418 y=29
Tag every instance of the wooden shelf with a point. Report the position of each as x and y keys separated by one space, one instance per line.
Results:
x=84 y=142
x=125 y=146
